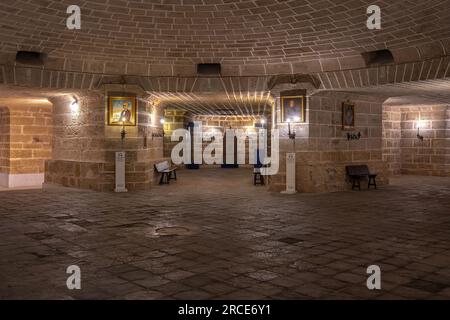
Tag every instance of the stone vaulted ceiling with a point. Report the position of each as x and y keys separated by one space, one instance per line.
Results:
x=156 y=44
x=259 y=36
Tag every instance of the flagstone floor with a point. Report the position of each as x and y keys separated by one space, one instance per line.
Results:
x=213 y=235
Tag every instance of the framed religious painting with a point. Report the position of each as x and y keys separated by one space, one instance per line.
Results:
x=293 y=109
x=122 y=111
x=348 y=115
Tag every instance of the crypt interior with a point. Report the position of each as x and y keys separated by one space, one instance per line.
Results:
x=359 y=97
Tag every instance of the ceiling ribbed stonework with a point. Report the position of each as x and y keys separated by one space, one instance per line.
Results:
x=260 y=36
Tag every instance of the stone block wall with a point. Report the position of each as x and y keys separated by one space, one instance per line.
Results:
x=404 y=152
x=25 y=142
x=31 y=138
x=173 y=119
x=322 y=148
x=85 y=146
x=220 y=124
x=432 y=155
x=4 y=140
x=78 y=133
x=392 y=117
x=176 y=119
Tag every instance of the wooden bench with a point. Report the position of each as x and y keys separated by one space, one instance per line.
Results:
x=356 y=173
x=167 y=171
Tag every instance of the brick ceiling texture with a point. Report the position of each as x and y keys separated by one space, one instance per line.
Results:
x=233 y=32
x=160 y=42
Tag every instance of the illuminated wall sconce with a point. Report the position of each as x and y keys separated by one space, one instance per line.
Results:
x=123 y=133
x=74 y=106
x=162 y=121
x=291 y=134
x=145 y=136
x=419 y=124
x=260 y=124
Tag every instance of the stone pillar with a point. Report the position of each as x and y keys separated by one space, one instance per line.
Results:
x=174 y=119
x=78 y=155
x=321 y=146
x=392 y=138
x=287 y=145
x=85 y=146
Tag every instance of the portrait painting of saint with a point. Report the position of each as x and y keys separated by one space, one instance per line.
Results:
x=292 y=109
x=348 y=115
x=122 y=111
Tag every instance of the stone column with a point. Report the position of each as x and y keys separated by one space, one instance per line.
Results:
x=84 y=145
x=287 y=145
x=78 y=155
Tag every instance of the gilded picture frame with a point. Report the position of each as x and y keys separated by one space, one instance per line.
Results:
x=348 y=115
x=293 y=109
x=122 y=111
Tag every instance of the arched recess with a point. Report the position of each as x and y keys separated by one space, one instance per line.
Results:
x=416 y=136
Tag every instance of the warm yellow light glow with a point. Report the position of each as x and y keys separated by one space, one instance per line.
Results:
x=420 y=124
x=75 y=107
x=263 y=121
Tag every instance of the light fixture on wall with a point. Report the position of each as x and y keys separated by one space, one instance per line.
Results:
x=144 y=131
x=419 y=124
x=291 y=134
x=162 y=121
x=123 y=133
x=259 y=124
x=74 y=106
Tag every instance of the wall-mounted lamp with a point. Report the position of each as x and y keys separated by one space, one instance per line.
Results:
x=419 y=136
x=290 y=134
x=260 y=124
x=74 y=106
x=123 y=133
x=162 y=121
x=145 y=136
